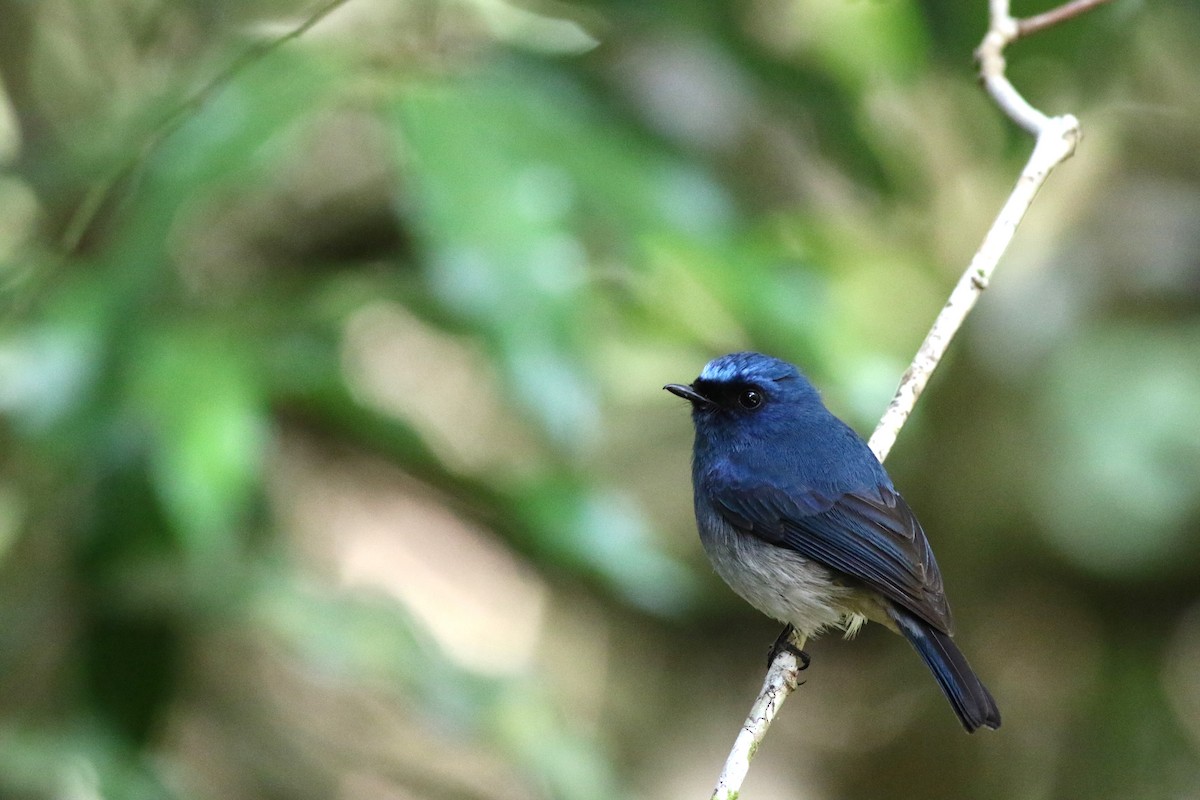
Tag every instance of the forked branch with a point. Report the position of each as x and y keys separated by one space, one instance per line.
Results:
x=1056 y=138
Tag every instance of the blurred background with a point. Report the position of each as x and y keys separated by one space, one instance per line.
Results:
x=334 y=461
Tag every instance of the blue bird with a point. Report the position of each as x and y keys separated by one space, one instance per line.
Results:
x=801 y=520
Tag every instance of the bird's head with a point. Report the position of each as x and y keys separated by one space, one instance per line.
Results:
x=733 y=389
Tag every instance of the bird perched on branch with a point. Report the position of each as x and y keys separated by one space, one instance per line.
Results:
x=800 y=519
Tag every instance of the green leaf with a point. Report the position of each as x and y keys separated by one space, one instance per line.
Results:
x=196 y=391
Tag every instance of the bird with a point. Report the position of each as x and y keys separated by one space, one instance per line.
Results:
x=801 y=520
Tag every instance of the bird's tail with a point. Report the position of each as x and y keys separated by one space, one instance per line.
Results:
x=970 y=698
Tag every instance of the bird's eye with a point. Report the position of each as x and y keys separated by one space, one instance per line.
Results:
x=750 y=399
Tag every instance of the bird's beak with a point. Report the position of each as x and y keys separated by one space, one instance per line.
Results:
x=688 y=393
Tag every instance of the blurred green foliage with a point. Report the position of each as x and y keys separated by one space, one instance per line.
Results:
x=334 y=461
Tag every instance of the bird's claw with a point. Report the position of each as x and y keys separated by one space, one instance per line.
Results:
x=784 y=644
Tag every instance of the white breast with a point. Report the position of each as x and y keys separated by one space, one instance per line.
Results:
x=780 y=582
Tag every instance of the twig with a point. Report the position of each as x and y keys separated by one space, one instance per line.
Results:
x=85 y=213
x=1056 y=138
x=1038 y=22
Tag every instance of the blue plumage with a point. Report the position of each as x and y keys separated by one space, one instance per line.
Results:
x=801 y=520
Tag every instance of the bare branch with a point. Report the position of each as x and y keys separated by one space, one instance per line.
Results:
x=1039 y=22
x=1054 y=145
x=1056 y=139
x=782 y=679
x=1003 y=30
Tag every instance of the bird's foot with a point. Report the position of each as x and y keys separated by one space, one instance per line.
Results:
x=784 y=644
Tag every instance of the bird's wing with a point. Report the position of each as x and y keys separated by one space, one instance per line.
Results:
x=869 y=535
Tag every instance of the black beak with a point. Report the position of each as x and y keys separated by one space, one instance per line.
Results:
x=688 y=393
